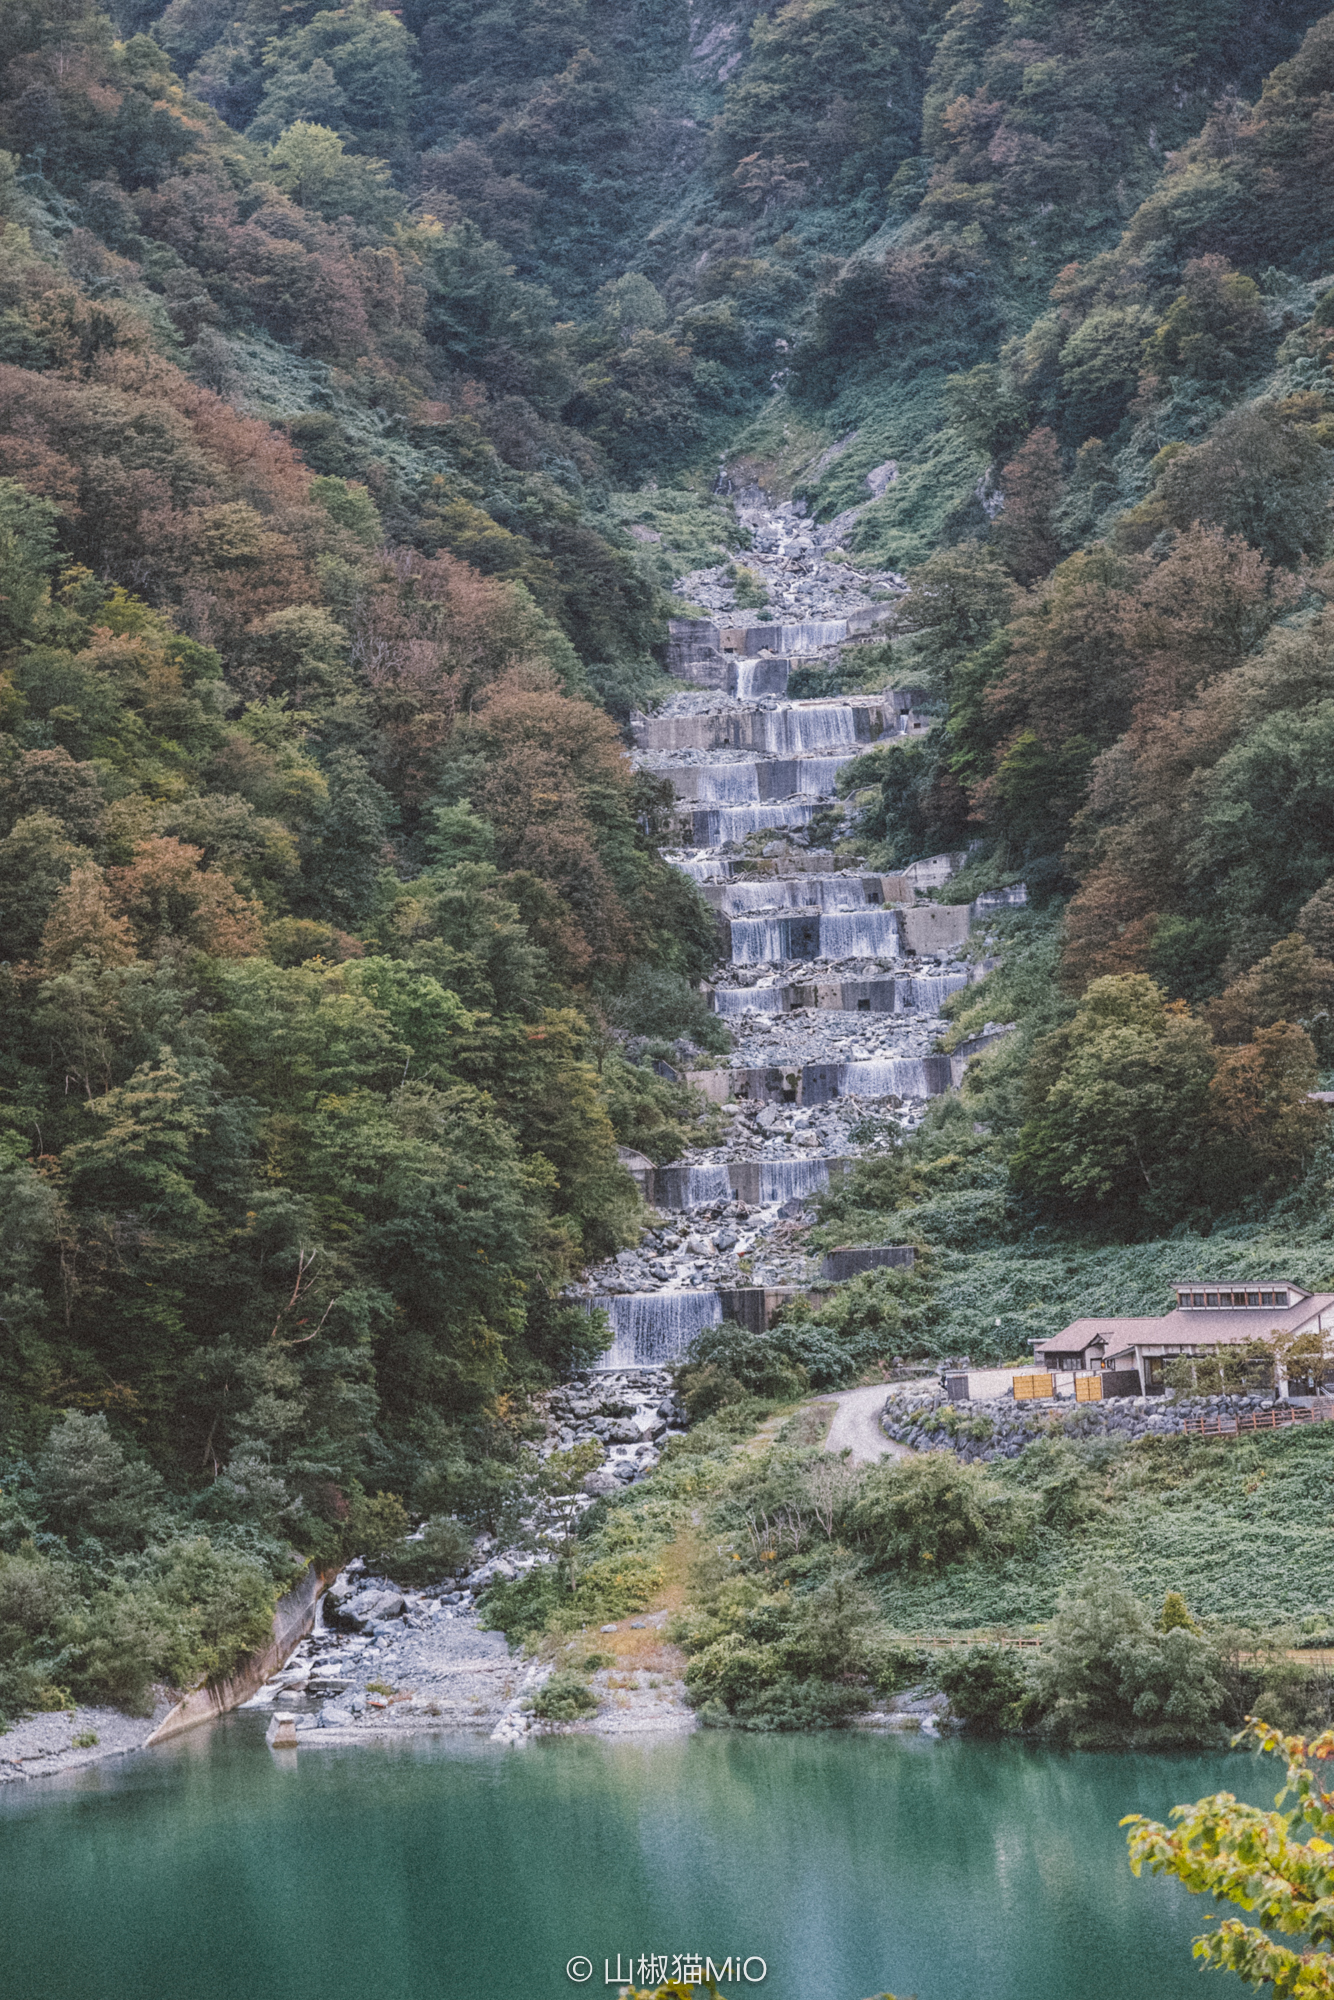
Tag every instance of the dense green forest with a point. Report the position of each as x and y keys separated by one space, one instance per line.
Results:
x=340 y=353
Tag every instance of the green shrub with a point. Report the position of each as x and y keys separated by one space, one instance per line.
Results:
x=565 y=1697
x=1107 y=1677
x=522 y=1608
x=375 y=1525
x=443 y=1549
x=803 y=1663
x=726 y=1364
x=116 y=1646
x=928 y=1512
x=88 y=1486
x=215 y=1606
x=657 y=1002
x=988 y=1689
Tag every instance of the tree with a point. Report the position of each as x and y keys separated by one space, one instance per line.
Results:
x=1108 y=1676
x=1120 y=1106
x=1277 y=1866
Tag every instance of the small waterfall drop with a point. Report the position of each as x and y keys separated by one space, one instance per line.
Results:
x=923 y=993
x=901 y=1076
x=727 y=784
x=817 y=774
x=700 y=867
x=870 y=933
x=737 y=1000
x=690 y=1187
x=715 y=825
x=788 y=1180
x=792 y=731
x=755 y=677
x=758 y=940
x=653 y=1328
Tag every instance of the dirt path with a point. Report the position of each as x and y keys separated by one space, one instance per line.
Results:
x=856 y=1425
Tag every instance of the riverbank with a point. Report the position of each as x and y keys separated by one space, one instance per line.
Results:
x=71 y=1739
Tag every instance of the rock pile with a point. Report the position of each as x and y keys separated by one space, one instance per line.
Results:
x=1001 y=1428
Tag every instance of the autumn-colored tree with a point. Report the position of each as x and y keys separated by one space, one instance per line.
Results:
x=1024 y=532
x=1261 y=1098
x=173 y=901
x=84 y=923
x=1276 y=1866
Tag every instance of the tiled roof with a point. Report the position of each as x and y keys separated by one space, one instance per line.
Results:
x=1206 y=1326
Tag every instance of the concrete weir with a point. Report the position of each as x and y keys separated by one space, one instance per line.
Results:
x=830 y=976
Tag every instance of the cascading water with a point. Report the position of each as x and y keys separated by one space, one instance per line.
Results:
x=798 y=892
x=901 y=1076
x=701 y=867
x=727 y=784
x=758 y=940
x=817 y=774
x=766 y=771
x=792 y=731
x=690 y=1187
x=789 y=1180
x=715 y=826
x=871 y=933
x=756 y=677
x=922 y=993
x=732 y=1001
x=652 y=1328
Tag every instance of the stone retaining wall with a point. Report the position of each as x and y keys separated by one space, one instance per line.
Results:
x=1018 y=1424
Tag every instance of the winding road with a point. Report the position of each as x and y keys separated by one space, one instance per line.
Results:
x=856 y=1425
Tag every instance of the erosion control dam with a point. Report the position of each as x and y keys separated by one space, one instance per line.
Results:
x=830 y=979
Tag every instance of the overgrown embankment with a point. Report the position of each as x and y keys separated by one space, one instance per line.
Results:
x=803 y=1590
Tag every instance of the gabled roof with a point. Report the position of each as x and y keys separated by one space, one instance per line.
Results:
x=1189 y=1327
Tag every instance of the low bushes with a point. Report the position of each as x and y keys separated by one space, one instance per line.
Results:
x=186 y=1611
x=927 y=1512
x=565 y=1697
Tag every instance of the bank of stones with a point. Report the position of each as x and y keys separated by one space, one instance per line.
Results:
x=980 y=1431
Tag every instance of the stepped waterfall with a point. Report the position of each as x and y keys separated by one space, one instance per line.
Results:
x=817 y=979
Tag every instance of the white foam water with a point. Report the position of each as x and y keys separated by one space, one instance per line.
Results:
x=791 y=731
x=757 y=940
x=756 y=677
x=731 y=1001
x=727 y=784
x=655 y=1327
x=700 y=867
x=788 y=1180
x=724 y=823
x=922 y=993
x=869 y=933
x=817 y=774
x=900 y=1076
x=690 y=1187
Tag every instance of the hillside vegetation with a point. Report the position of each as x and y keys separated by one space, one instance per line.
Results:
x=350 y=364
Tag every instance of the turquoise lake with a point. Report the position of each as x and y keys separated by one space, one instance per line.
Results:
x=213 y=1870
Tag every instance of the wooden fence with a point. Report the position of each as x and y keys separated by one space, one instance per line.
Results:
x=1252 y=1420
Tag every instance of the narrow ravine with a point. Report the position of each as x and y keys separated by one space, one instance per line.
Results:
x=831 y=978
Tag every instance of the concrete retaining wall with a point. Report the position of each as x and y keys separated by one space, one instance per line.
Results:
x=849 y=1262
x=293 y=1618
x=934 y=927
x=963 y=1055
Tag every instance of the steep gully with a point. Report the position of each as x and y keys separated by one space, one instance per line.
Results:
x=831 y=978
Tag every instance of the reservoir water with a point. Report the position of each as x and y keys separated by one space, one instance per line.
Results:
x=452 y=1867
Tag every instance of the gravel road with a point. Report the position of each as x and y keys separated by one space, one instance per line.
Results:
x=856 y=1426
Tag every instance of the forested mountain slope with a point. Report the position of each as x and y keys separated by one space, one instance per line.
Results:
x=340 y=353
